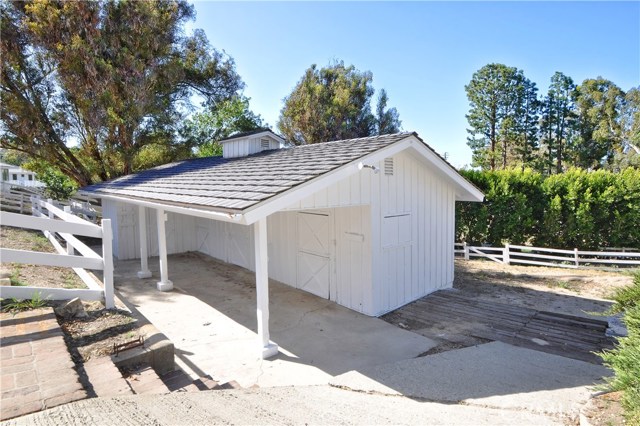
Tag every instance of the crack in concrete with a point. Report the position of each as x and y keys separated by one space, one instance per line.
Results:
x=302 y=317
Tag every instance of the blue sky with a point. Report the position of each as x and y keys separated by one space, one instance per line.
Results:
x=423 y=53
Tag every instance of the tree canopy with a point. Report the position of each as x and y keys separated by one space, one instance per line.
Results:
x=333 y=103
x=591 y=125
x=204 y=129
x=91 y=86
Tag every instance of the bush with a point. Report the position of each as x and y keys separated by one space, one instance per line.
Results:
x=624 y=359
x=573 y=209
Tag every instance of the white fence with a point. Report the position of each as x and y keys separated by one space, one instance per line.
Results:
x=58 y=224
x=540 y=256
x=17 y=199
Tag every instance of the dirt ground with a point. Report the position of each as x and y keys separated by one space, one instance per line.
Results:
x=35 y=275
x=570 y=291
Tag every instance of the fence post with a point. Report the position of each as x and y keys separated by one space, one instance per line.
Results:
x=576 y=258
x=107 y=259
x=505 y=254
x=70 y=249
x=21 y=203
x=466 y=250
x=50 y=201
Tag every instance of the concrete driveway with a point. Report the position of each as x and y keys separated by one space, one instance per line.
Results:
x=210 y=316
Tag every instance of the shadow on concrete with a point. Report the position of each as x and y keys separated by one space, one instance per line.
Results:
x=211 y=317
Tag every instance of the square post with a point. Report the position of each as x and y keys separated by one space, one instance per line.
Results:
x=267 y=349
x=164 y=284
x=144 y=271
x=107 y=258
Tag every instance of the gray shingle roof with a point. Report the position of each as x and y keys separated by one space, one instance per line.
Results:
x=235 y=184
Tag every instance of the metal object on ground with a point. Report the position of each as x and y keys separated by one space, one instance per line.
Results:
x=128 y=345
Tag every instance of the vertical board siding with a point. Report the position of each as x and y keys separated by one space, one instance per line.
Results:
x=181 y=231
x=353 y=258
x=412 y=217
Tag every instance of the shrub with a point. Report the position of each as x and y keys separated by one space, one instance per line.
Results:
x=573 y=209
x=624 y=359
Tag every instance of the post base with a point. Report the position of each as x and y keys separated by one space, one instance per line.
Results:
x=144 y=274
x=165 y=285
x=269 y=351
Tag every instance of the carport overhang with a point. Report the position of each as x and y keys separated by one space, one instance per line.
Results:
x=257 y=215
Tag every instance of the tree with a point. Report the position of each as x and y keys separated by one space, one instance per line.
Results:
x=89 y=86
x=599 y=102
x=558 y=120
x=527 y=110
x=206 y=128
x=492 y=94
x=387 y=120
x=334 y=103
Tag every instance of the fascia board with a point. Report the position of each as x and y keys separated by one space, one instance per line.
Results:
x=189 y=211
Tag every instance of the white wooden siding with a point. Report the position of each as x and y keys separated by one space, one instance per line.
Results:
x=248 y=146
x=412 y=219
x=180 y=229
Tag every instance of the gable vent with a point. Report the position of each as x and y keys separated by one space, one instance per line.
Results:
x=264 y=143
x=388 y=166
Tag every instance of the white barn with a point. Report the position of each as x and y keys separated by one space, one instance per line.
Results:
x=367 y=223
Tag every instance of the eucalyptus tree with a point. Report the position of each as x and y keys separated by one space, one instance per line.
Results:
x=599 y=103
x=86 y=86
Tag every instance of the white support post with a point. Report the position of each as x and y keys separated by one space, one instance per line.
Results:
x=144 y=271
x=107 y=257
x=164 y=284
x=466 y=250
x=70 y=250
x=267 y=349
x=576 y=257
x=505 y=255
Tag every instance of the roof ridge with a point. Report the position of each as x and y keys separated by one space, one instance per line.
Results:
x=372 y=137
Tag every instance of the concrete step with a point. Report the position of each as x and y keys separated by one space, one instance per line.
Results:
x=144 y=380
x=104 y=378
x=179 y=381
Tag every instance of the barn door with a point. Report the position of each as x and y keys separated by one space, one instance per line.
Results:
x=314 y=253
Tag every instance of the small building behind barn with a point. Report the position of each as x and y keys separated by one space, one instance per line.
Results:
x=16 y=175
x=368 y=223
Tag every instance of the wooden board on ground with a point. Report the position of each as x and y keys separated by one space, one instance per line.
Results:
x=555 y=333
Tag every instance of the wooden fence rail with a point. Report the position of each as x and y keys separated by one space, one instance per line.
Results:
x=541 y=256
x=62 y=227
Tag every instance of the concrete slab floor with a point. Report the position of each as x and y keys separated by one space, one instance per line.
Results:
x=493 y=375
x=211 y=318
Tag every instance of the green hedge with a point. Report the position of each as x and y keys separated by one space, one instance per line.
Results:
x=573 y=209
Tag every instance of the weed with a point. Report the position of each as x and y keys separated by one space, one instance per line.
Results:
x=69 y=281
x=14 y=305
x=15 y=277
x=566 y=285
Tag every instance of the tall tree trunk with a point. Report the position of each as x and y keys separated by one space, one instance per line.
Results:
x=492 y=159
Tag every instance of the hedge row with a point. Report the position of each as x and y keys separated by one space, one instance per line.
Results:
x=577 y=208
